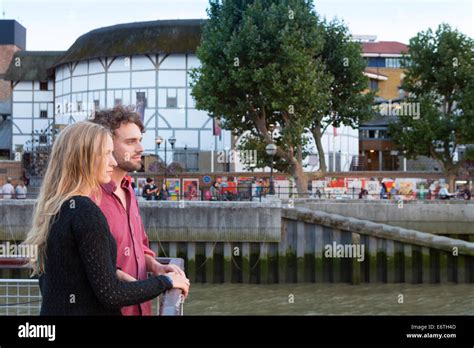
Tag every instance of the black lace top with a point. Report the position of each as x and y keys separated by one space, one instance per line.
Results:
x=80 y=268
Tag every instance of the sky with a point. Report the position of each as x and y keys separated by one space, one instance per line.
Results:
x=56 y=24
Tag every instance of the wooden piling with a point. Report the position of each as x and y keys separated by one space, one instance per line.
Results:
x=300 y=246
x=355 y=263
x=318 y=253
x=408 y=254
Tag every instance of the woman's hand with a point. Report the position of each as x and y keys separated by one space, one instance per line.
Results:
x=121 y=275
x=179 y=282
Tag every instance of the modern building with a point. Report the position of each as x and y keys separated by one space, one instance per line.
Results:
x=385 y=73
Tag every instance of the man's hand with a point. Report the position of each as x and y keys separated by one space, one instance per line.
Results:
x=160 y=269
x=180 y=282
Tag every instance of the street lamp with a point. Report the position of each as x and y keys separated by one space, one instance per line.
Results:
x=172 y=141
x=159 y=140
x=271 y=150
x=227 y=158
x=185 y=157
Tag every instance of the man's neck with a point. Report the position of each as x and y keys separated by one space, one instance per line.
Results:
x=118 y=175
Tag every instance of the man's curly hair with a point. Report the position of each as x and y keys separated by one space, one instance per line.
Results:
x=112 y=119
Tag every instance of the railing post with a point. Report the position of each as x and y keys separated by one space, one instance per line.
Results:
x=172 y=302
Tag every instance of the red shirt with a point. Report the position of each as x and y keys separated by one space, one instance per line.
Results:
x=129 y=233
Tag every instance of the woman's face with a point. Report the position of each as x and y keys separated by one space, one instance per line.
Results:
x=108 y=162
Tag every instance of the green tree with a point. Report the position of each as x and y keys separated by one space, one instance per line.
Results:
x=440 y=80
x=347 y=104
x=258 y=68
x=272 y=64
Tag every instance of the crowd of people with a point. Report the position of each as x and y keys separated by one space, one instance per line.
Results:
x=435 y=191
x=152 y=192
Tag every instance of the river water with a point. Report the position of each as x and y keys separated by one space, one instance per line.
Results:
x=330 y=299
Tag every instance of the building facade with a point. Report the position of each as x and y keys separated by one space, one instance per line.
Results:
x=32 y=99
x=12 y=39
x=385 y=73
x=142 y=65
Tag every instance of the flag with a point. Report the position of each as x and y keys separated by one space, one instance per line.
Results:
x=141 y=105
x=334 y=131
x=216 y=129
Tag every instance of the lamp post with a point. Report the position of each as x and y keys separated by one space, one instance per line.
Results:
x=271 y=150
x=185 y=157
x=159 y=140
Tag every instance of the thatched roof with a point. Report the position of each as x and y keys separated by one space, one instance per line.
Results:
x=33 y=65
x=162 y=36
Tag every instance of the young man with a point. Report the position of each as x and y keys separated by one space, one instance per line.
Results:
x=120 y=207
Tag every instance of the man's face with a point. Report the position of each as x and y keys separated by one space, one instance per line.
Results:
x=128 y=147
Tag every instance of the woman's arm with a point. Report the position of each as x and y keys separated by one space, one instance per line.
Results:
x=98 y=256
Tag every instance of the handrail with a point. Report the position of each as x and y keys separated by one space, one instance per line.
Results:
x=172 y=301
x=378 y=230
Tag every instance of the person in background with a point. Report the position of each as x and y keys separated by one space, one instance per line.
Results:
x=383 y=191
x=7 y=191
x=164 y=194
x=363 y=194
x=20 y=190
x=444 y=193
x=26 y=178
x=215 y=195
x=259 y=188
x=466 y=193
x=150 y=189
x=393 y=192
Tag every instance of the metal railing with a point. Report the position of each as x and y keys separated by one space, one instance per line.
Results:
x=19 y=297
x=245 y=193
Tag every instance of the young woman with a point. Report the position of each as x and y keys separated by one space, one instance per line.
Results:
x=76 y=261
x=164 y=193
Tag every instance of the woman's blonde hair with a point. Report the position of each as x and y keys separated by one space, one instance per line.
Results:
x=72 y=168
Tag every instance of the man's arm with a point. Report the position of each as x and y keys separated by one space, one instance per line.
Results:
x=152 y=265
x=157 y=268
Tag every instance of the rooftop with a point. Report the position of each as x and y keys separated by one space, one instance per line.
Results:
x=162 y=36
x=32 y=65
x=384 y=47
